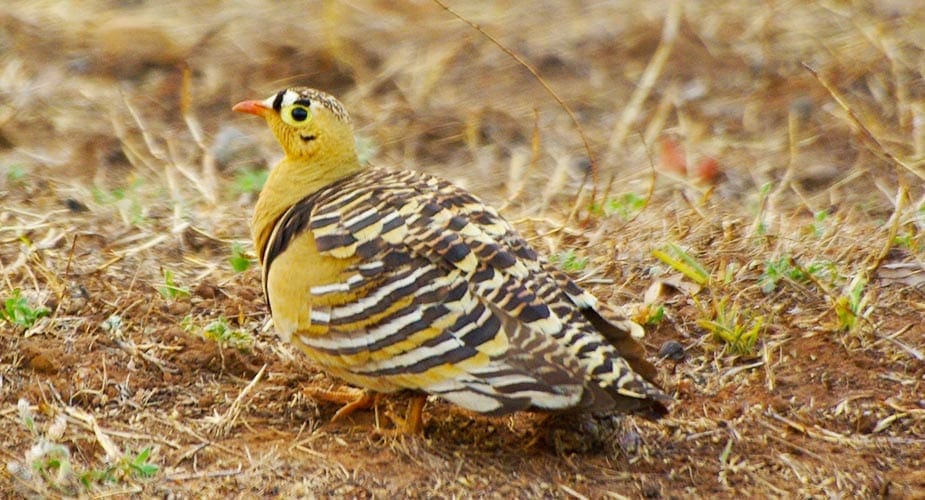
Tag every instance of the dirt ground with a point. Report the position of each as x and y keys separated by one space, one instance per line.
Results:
x=756 y=197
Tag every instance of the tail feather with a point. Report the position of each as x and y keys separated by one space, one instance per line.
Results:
x=621 y=338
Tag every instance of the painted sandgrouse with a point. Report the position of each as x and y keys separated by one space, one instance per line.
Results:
x=397 y=280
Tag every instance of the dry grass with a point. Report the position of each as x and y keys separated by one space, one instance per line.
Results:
x=768 y=219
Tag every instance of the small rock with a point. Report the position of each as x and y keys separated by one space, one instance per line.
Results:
x=672 y=350
x=75 y=206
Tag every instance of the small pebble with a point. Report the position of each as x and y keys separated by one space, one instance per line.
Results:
x=75 y=206
x=672 y=350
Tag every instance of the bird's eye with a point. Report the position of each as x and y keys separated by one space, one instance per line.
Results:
x=299 y=114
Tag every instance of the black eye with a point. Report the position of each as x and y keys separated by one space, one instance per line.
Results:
x=299 y=114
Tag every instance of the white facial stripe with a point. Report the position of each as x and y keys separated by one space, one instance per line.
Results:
x=289 y=98
x=316 y=97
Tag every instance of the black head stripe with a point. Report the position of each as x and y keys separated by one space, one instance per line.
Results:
x=278 y=102
x=303 y=102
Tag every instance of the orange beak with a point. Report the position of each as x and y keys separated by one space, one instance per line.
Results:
x=251 y=107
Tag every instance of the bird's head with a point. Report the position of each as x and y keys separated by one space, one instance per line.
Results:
x=309 y=124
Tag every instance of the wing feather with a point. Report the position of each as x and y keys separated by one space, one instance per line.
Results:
x=441 y=294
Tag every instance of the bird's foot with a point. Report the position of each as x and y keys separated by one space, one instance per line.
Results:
x=357 y=399
x=413 y=422
x=351 y=399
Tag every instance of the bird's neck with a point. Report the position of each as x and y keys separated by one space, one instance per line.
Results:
x=291 y=180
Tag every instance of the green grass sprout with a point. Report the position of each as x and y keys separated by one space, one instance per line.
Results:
x=16 y=310
x=170 y=290
x=239 y=260
x=736 y=329
x=569 y=261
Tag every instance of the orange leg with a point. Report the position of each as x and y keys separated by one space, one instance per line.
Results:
x=413 y=423
x=351 y=399
x=355 y=399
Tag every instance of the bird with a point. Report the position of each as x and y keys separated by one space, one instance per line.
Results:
x=397 y=280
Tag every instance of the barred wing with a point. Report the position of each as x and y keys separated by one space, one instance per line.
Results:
x=438 y=293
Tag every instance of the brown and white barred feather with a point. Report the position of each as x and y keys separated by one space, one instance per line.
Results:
x=439 y=294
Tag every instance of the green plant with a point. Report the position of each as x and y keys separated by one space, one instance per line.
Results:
x=126 y=199
x=128 y=466
x=852 y=304
x=786 y=268
x=220 y=331
x=760 y=226
x=679 y=260
x=25 y=415
x=906 y=240
x=569 y=261
x=50 y=461
x=108 y=196
x=251 y=180
x=170 y=289
x=140 y=466
x=16 y=174
x=625 y=206
x=738 y=330
x=654 y=315
x=818 y=226
x=239 y=260
x=16 y=310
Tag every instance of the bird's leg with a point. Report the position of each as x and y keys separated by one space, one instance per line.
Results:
x=412 y=424
x=352 y=399
x=355 y=399
x=536 y=436
x=362 y=402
